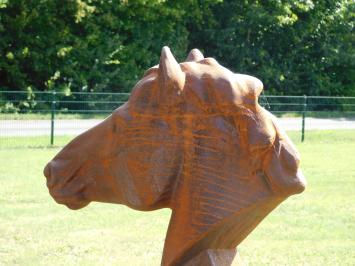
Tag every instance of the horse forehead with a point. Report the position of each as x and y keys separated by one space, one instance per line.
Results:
x=203 y=72
x=220 y=76
x=208 y=89
x=220 y=80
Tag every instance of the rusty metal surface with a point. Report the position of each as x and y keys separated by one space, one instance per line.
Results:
x=193 y=138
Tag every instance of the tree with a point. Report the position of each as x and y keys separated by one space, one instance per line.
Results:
x=86 y=45
x=295 y=47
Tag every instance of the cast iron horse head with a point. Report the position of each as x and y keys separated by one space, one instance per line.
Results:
x=193 y=138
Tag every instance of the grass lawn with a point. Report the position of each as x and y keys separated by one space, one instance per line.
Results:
x=314 y=228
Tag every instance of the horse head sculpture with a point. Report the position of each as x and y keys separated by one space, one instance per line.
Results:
x=193 y=138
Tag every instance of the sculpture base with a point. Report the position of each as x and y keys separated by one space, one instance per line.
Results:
x=216 y=257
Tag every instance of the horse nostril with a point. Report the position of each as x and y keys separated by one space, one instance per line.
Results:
x=47 y=171
x=47 y=174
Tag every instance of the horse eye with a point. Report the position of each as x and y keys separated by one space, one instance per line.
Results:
x=261 y=147
x=258 y=148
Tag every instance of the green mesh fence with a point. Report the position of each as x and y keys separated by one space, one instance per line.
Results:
x=40 y=119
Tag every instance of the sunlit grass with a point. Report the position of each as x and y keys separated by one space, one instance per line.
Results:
x=318 y=226
x=314 y=228
x=10 y=142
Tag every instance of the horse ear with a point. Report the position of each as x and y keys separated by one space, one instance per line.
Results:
x=194 y=56
x=170 y=73
x=255 y=87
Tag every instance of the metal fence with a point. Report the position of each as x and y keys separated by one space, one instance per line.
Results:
x=328 y=108
x=37 y=119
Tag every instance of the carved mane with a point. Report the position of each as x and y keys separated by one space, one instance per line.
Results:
x=220 y=193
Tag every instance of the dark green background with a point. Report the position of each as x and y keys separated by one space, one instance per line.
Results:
x=294 y=47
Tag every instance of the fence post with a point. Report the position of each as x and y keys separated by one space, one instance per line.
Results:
x=304 y=116
x=52 y=116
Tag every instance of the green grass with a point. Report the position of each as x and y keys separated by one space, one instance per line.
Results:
x=314 y=228
x=33 y=142
x=318 y=226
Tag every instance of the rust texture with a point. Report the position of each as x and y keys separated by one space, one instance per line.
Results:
x=193 y=138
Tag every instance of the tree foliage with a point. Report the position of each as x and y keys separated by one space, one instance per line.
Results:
x=295 y=47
